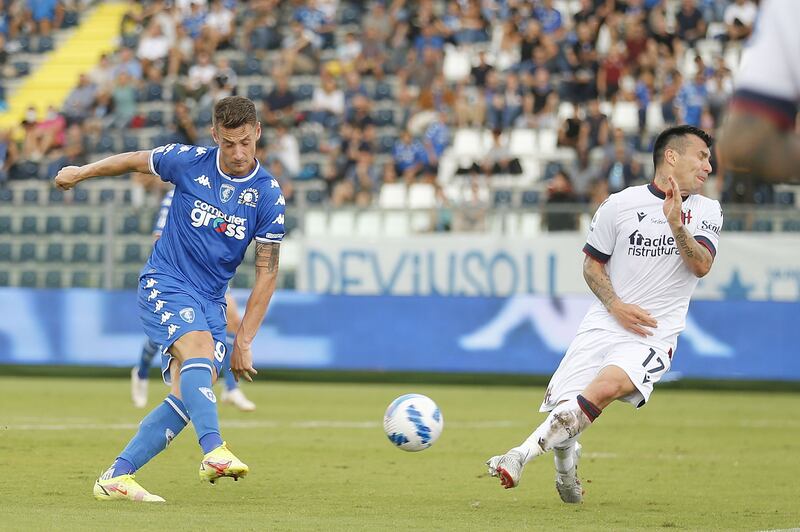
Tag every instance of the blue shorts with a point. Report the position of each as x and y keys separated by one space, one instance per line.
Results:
x=168 y=310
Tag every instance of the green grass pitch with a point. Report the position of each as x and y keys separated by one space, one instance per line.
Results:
x=320 y=461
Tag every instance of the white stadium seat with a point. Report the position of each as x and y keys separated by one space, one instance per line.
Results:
x=467 y=143
x=625 y=116
x=368 y=223
x=342 y=223
x=522 y=142
x=315 y=223
x=456 y=65
x=396 y=223
x=392 y=196
x=530 y=224
x=421 y=196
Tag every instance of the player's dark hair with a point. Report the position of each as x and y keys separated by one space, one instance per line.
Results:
x=234 y=112
x=674 y=138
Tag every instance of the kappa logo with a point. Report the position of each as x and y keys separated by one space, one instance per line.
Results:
x=248 y=197
x=159 y=305
x=150 y=283
x=171 y=330
x=203 y=181
x=200 y=151
x=187 y=314
x=274 y=184
x=184 y=149
x=226 y=192
x=278 y=220
x=208 y=393
x=281 y=200
x=166 y=316
x=641 y=215
x=169 y=435
x=153 y=294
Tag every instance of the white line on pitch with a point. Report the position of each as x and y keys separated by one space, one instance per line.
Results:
x=254 y=424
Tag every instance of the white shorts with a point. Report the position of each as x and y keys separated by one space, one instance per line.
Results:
x=591 y=351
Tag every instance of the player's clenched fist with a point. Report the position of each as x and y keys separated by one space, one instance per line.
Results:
x=68 y=177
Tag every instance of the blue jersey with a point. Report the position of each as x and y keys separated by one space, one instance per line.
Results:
x=213 y=217
x=163 y=211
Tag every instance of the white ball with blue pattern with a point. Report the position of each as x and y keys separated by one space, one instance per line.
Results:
x=413 y=422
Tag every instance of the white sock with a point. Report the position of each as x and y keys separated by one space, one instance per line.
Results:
x=566 y=421
x=564 y=456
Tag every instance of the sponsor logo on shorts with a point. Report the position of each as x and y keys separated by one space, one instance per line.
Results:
x=171 y=330
x=187 y=314
x=150 y=283
x=166 y=316
x=208 y=393
x=153 y=294
x=159 y=305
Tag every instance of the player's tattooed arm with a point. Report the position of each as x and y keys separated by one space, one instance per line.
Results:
x=750 y=143
x=696 y=257
x=632 y=317
x=267 y=257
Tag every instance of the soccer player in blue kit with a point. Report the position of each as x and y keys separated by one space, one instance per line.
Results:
x=223 y=200
x=231 y=392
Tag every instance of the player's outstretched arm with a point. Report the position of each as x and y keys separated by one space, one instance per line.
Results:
x=752 y=143
x=632 y=317
x=696 y=257
x=267 y=258
x=123 y=163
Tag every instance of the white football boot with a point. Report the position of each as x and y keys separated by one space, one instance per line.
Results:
x=508 y=467
x=568 y=484
x=237 y=398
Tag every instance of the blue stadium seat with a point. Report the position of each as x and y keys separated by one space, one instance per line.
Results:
x=530 y=197
x=55 y=252
x=45 y=44
x=133 y=253
x=23 y=68
x=29 y=225
x=130 y=225
x=502 y=198
x=309 y=144
x=733 y=224
x=255 y=91
x=30 y=196
x=27 y=170
x=130 y=280
x=383 y=91
x=108 y=195
x=314 y=196
x=309 y=171
x=56 y=195
x=290 y=223
x=52 y=279
x=350 y=14
x=80 y=279
x=791 y=226
x=204 y=117
x=551 y=169
x=153 y=93
x=127 y=196
x=155 y=118
x=105 y=143
x=7 y=195
x=25 y=43
x=304 y=91
x=80 y=252
x=130 y=143
x=384 y=117
x=386 y=143
x=5 y=225
x=28 y=279
x=5 y=278
x=81 y=225
x=252 y=67
x=762 y=226
x=54 y=225
x=80 y=195
x=27 y=252
x=130 y=40
x=5 y=252
x=785 y=198
x=71 y=18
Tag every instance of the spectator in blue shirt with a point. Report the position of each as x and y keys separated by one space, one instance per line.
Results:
x=409 y=156
x=692 y=98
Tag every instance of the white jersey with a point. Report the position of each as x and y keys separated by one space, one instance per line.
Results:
x=768 y=80
x=630 y=234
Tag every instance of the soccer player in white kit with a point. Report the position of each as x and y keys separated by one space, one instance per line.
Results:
x=647 y=247
x=758 y=135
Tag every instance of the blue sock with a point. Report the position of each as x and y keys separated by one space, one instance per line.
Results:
x=156 y=430
x=149 y=350
x=230 y=381
x=200 y=401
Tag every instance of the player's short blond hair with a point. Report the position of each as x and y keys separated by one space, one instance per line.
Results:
x=234 y=112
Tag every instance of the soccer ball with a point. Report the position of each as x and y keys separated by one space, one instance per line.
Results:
x=413 y=422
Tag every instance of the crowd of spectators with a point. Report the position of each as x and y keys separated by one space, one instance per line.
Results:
x=530 y=61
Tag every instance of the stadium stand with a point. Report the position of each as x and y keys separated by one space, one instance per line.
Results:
x=369 y=128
